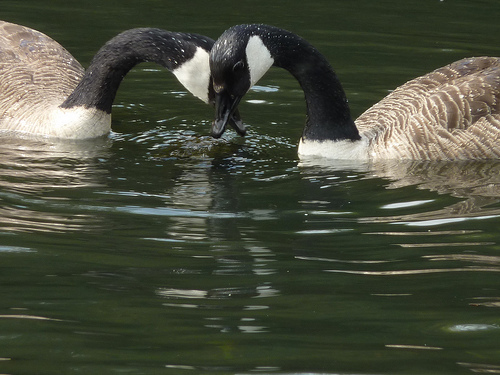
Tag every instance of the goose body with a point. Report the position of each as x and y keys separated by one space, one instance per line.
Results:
x=452 y=113
x=45 y=92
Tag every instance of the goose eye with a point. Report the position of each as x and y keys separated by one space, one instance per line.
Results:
x=238 y=66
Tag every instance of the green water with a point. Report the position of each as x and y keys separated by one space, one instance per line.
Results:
x=162 y=251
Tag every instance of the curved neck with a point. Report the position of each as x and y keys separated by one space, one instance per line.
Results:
x=328 y=114
x=114 y=60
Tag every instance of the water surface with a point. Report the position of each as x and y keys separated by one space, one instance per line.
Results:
x=159 y=250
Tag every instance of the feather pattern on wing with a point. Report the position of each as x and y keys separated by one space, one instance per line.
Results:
x=450 y=113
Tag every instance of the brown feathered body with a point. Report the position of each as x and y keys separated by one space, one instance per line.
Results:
x=37 y=76
x=450 y=113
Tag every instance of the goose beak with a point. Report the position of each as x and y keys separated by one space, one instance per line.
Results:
x=226 y=111
x=237 y=124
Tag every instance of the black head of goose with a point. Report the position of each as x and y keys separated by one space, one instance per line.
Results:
x=45 y=92
x=452 y=113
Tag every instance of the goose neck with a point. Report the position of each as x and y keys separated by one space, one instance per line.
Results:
x=328 y=113
x=114 y=60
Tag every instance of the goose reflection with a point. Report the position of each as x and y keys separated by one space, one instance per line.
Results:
x=203 y=207
x=475 y=183
x=445 y=243
x=232 y=270
x=36 y=175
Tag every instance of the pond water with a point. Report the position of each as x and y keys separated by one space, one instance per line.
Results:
x=162 y=251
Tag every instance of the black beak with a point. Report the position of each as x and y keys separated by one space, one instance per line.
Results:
x=226 y=111
x=237 y=124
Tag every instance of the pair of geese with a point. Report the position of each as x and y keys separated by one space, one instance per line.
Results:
x=452 y=113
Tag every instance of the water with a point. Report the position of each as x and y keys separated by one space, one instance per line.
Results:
x=162 y=251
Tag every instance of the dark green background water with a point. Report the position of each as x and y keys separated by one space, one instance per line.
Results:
x=162 y=251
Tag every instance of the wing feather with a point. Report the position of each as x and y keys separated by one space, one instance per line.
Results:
x=450 y=113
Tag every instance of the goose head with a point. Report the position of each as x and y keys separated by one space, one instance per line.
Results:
x=238 y=59
x=193 y=72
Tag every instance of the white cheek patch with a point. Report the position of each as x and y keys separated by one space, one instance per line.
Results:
x=194 y=74
x=259 y=59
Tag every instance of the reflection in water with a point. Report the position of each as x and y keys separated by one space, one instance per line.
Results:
x=476 y=185
x=215 y=194
x=210 y=300
x=417 y=347
x=480 y=368
x=242 y=257
x=34 y=176
x=461 y=179
x=418 y=272
x=210 y=197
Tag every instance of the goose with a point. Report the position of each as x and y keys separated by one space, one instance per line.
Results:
x=452 y=113
x=44 y=91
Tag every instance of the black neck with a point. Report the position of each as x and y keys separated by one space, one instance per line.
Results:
x=114 y=60
x=328 y=114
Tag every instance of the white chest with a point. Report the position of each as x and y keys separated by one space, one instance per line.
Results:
x=347 y=150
